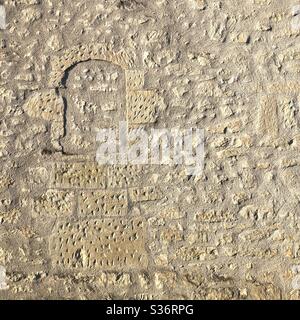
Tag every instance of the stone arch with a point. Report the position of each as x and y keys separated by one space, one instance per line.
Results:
x=86 y=52
x=142 y=105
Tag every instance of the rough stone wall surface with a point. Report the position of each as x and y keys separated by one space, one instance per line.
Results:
x=73 y=229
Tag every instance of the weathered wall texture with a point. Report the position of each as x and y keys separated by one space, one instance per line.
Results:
x=71 y=228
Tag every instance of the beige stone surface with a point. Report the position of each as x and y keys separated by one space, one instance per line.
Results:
x=71 y=228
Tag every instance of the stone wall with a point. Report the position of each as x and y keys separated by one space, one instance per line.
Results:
x=72 y=228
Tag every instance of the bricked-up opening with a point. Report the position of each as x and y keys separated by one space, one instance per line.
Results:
x=95 y=97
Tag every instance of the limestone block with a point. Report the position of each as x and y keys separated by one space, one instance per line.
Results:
x=45 y=105
x=142 y=106
x=268 y=119
x=49 y=106
x=214 y=216
x=134 y=79
x=121 y=176
x=103 y=203
x=100 y=244
x=194 y=254
x=144 y=194
x=78 y=175
x=54 y=203
x=172 y=233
